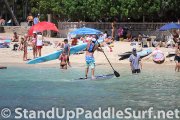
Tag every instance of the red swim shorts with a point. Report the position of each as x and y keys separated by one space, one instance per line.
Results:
x=39 y=47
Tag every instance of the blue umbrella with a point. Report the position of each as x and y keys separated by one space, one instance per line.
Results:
x=86 y=31
x=170 y=26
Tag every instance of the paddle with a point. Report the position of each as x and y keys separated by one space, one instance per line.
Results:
x=115 y=72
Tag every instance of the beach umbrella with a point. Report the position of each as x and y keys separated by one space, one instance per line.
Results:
x=42 y=26
x=169 y=26
x=86 y=31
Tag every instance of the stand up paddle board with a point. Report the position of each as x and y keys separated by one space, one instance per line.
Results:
x=99 y=77
x=56 y=54
x=142 y=54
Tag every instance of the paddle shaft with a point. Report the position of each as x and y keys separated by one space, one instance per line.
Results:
x=106 y=56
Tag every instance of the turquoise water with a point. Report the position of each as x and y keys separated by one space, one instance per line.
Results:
x=46 y=87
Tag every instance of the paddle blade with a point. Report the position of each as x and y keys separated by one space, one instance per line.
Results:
x=116 y=74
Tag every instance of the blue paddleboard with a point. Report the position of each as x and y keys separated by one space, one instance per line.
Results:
x=56 y=54
x=145 y=52
x=141 y=53
x=5 y=41
x=98 y=77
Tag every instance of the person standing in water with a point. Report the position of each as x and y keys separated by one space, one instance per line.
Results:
x=89 y=57
x=177 y=58
x=135 y=62
x=67 y=50
x=63 y=59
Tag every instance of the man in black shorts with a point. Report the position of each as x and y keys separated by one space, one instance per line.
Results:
x=135 y=62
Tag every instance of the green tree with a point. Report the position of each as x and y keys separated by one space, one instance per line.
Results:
x=96 y=10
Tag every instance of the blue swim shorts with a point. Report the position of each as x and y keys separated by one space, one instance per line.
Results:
x=90 y=62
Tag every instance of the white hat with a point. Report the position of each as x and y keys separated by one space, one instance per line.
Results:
x=94 y=39
x=34 y=32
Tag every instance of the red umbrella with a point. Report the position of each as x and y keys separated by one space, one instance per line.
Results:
x=42 y=26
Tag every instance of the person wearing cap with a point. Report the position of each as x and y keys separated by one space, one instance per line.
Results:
x=89 y=57
x=135 y=62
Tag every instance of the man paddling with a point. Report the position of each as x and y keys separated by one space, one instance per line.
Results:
x=90 y=61
x=135 y=62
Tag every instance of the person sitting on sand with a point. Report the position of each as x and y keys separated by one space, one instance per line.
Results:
x=109 y=40
x=63 y=59
x=135 y=62
x=90 y=61
x=74 y=41
x=59 y=44
x=175 y=36
x=15 y=37
x=177 y=58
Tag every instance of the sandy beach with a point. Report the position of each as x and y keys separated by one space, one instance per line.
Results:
x=15 y=57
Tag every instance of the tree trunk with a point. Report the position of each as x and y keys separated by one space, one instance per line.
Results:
x=143 y=18
x=26 y=7
x=11 y=12
x=49 y=20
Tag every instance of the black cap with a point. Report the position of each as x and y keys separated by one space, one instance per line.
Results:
x=134 y=49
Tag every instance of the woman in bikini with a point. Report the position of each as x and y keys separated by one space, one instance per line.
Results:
x=63 y=59
x=23 y=46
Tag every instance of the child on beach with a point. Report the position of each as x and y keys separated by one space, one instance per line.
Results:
x=39 y=43
x=23 y=46
x=63 y=59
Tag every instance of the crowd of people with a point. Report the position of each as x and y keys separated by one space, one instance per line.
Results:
x=36 y=42
x=30 y=20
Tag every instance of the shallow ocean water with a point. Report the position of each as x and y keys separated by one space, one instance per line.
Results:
x=47 y=87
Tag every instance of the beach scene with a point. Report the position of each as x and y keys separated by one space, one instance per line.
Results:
x=60 y=67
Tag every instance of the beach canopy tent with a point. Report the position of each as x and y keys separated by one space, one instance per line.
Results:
x=169 y=26
x=85 y=31
x=42 y=26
